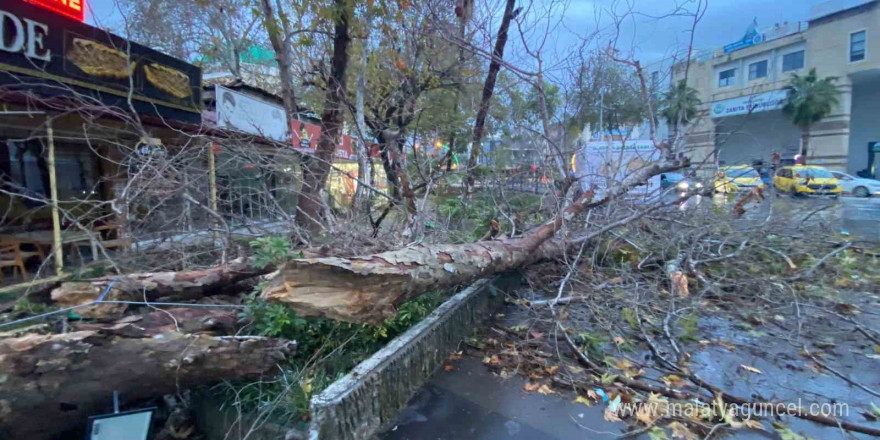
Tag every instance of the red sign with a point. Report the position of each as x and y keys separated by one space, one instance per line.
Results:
x=74 y=9
x=305 y=139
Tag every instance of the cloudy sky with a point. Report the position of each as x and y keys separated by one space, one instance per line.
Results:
x=725 y=21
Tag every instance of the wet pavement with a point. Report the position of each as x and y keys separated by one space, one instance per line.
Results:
x=856 y=216
x=861 y=216
x=472 y=403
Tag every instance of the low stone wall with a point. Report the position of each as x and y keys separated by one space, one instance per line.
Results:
x=370 y=397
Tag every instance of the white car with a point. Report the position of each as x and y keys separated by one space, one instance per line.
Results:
x=857 y=186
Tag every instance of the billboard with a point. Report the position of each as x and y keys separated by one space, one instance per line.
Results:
x=249 y=114
x=610 y=163
x=49 y=55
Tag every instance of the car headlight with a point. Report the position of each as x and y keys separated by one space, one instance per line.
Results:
x=698 y=185
x=683 y=185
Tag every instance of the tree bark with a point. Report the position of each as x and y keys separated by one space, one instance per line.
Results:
x=316 y=168
x=391 y=150
x=368 y=289
x=488 y=89
x=221 y=321
x=52 y=383
x=805 y=143
x=362 y=196
x=167 y=286
x=282 y=56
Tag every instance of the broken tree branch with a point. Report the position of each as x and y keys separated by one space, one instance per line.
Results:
x=155 y=286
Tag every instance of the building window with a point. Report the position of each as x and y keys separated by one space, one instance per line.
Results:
x=726 y=77
x=758 y=70
x=857 y=46
x=793 y=61
x=75 y=171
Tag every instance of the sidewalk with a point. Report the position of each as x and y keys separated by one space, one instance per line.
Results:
x=472 y=403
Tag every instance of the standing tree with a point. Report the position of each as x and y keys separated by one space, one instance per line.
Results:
x=809 y=100
x=488 y=89
x=679 y=105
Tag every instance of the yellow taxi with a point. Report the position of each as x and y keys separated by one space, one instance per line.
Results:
x=735 y=178
x=806 y=179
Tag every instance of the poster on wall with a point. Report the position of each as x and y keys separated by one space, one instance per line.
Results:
x=610 y=163
x=246 y=113
x=305 y=140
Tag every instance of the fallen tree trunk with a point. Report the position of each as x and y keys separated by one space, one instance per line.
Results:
x=166 y=286
x=216 y=321
x=52 y=383
x=368 y=289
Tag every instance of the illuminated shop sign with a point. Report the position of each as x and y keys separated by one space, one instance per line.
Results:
x=74 y=9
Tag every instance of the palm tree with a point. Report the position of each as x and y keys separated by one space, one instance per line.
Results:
x=810 y=99
x=679 y=105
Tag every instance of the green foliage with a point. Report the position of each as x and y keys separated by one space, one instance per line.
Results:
x=680 y=101
x=271 y=251
x=630 y=317
x=326 y=350
x=615 y=87
x=689 y=328
x=471 y=223
x=24 y=306
x=810 y=99
x=593 y=343
x=318 y=337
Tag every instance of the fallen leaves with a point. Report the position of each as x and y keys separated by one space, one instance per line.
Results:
x=846 y=309
x=541 y=388
x=611 y=417
x=678 y=283
x=673 y=380
x=531 y=386
x=583 y=400
x=493 y=360
x=647 y=415
x=545 y=389
x=679 y=430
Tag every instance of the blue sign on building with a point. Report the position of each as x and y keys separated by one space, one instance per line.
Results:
x=751 y=38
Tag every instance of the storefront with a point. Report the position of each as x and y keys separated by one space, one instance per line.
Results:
x=80 y=110
x=751 y=128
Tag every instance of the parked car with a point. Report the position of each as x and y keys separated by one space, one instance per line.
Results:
x=857 y=186
x=735 y=178
x=806 y=180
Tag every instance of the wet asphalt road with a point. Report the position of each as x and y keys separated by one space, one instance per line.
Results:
x=861 y=217
x=858 y=217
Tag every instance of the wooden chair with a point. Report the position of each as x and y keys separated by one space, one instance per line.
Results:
x=12 y=256
x=117 y=241
x=109 y=236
